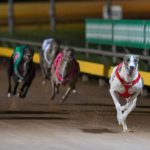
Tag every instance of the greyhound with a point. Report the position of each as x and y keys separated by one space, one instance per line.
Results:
x=25 y=71
x=48 y=52
x=65 y=70
x=125 y=83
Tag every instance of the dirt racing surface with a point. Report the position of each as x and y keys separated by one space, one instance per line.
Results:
x=86 y=121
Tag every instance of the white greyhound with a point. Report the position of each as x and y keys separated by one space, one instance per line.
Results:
x=125 y=82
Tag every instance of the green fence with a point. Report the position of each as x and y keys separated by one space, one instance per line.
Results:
x=147 y=35
x=126 y=33
x=99 y=32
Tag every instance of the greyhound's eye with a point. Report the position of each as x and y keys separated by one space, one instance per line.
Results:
x=128 y=59
x=135 y=60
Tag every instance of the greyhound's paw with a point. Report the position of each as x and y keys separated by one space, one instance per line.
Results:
x=125 y=130
x=52 y=97
x=62 y=100
x=20 y=80
x=9 y=95
x=74 y=91
x=120 y=117
x=18 y=94
x=21 y=95
x=120 y=121
x=43 y=82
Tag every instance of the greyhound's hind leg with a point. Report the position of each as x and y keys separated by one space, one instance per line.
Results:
x=9 y=86
x=9 y=75
x=15 y=88
x=57 y=89
x=43 y=67
x=44 y=75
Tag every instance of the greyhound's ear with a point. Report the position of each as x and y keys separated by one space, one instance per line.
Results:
x=125 y=57
x=73 y=51
x=137 y=57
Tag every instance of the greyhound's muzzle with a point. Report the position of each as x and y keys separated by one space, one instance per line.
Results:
x=131 y=69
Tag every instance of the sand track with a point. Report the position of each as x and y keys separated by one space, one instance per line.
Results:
x=87 y=120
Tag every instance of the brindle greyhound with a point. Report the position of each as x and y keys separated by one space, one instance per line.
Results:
x=65 y=70
x=50 y=48
x=26 y=69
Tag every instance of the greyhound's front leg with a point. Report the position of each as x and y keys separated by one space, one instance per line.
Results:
x=24 y=89
x=126 y=106
x=118 y=106
x=130 y=104
x=131 y=107
x=120 y=117
x=66 y=94
x=53 y=88
x=129 y=101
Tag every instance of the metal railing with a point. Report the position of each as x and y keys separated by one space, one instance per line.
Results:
x=4 y=41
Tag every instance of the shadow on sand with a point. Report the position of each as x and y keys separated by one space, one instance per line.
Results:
x=99 y=131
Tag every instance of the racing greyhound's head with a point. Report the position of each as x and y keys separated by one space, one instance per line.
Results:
x=53 y=50
x=131 y=63
x=28 y=53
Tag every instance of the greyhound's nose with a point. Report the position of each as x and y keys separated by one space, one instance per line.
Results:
x=132 y=67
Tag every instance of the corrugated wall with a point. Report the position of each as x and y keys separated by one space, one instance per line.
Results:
x=73 y=10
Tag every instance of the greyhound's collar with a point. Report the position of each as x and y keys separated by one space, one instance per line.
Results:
x=16 y=56
x=126 y=85
x=122 y=80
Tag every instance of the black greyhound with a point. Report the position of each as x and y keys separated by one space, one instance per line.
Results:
x=26 y=69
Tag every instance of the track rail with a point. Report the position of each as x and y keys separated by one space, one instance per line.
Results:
x=82 y=50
